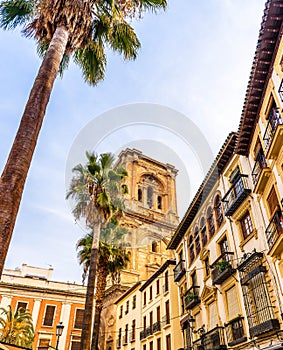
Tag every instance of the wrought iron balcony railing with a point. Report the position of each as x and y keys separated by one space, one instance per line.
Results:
x=237 y=193
x=222 y=268
x=275 y=119
x=235 y=331
x=143 y=334
x=191 y=297
x=156 y=327
x=179 y=270
x=212 y=340
x=274 y=229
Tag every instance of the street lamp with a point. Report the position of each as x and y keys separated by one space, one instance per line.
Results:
x=59 y=331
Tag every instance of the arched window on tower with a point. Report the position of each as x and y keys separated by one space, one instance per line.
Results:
x=159 y=202
x=149 y=197
x=154 y=247
x=140 y=195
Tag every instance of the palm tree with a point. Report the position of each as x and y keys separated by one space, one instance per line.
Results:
x=16 y=327
x=62 y=28
x=97 y=189
x=111 y=260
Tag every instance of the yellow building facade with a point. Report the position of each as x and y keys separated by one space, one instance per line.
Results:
x=229 y=245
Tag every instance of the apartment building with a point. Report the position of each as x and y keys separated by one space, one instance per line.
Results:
x=155 y=318
x=49 y=302
x=229 y=244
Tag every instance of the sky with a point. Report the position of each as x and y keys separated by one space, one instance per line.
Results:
x=177 y=102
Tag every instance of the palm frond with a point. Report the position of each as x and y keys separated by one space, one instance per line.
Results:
x=92 y=61
x=14 y=13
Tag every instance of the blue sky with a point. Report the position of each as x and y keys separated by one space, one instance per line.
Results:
x=195 y=59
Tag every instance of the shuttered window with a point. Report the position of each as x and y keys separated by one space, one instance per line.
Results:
x=79 y=319
x=43 y=344
x=49 y=315
x=22 y=305
x=232 y=303
x=212 y=313
x=198 y=320
x=272 y=201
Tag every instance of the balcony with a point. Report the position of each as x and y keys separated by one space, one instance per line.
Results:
x=179 y=270
x=264 y=327
x=222 y=268
x=143 y=334
x=156 y=327
x=273 y=135
x=235 y=331
x=237 y=193
x=212 y=340
x=191 y=297
x=260 y=174
x=274 y=234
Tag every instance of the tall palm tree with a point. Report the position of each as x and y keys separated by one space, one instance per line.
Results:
x=16 y=327
x=97 y=189
x=111 y=260
x=62 y=28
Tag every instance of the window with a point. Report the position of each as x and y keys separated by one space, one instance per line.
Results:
x=75 y=343
x=144 y=347
x=203 y=231
x=154 y=247
x=119 y=340
x=206 y=267
x=144 y=298
x=126 y=334
x=133 y=334
x=127 y=307
x=218 y=211
x=246 y=225
x=232 y=303
x=144 y=323
x=22 y=305
x=191 y=249
x=151 y=345
x=158 y=314
x=150 y=293
x=272 y=201
x=158 y=344
x=79 y=317
x=168 y=342
x=194 y=278
x=212 y=315
x=223 y=245
x=166 y=286
x=210 y=222
x=151 y=319
x=43 y=344
x=121 y=311
x=157 y=287
x=159 y=202
x=197 y=242
x=167 y=312
x=49 y=315
x=134 y=301
x=149 y=197
x=139 y=195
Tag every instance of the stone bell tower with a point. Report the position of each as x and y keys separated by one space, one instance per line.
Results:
x=151 y=219
x=151 y=212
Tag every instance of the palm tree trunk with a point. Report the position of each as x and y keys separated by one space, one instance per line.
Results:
x=87 y=321
x=14 y=175
x=102 y=272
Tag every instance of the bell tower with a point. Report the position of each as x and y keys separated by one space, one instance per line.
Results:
x=151 y=212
